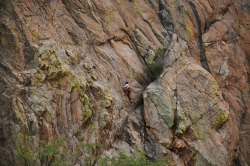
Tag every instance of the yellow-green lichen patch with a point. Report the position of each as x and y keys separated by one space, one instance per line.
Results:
x=102 y=123
x=183 y=122
x=50 y=63
x=91 y=128
x=88 y=112
x=39 y=109
x=137 y=7
x=164 y=109
x=222 y=116
x=19 y=111
x=86 y=108
x=195 y=115
x=213 y=86
x=41 y=2
x=38 y=78
x=51 y=68
x=201 y=130
x=110 y=16
x=108 y=97
x=141 y=38
x=131 y=71
x=190 y=31
x=120 y=36
x=3 y=41
x=16 y=41
x=72 y=83
x=79 y=89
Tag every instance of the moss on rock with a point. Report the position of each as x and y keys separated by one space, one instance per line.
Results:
x=3 y=41
x=165 y=111
x=222 y=116
x=183 y=123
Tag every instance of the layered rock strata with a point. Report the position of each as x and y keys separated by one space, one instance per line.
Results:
x=63 y=65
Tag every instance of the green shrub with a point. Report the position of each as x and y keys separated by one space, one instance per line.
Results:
x=52 y=153
x=154 y=70
x=138 y=158
x=56 y=152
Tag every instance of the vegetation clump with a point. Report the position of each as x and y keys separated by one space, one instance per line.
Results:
x=56 y=152
x=154 y=70
x=138 y=158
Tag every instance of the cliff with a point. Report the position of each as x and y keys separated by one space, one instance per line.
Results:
x=64 y=63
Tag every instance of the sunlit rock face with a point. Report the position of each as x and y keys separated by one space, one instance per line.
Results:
x=64 y=63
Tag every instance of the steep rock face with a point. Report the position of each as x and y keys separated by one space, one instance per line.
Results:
x=63 y=65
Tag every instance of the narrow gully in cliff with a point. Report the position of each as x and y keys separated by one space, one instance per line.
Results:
x=203 y=57
x=166 y=21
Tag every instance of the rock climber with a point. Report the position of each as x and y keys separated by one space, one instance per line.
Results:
x=127 y=90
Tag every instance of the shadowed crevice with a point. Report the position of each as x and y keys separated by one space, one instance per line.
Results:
x=203 y=57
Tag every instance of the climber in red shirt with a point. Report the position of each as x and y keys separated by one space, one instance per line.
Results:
x=127 y=90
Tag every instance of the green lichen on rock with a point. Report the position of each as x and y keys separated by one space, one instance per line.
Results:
x=190 y=31
x=150 y=56
x=201 y=130
x=86 y=108
x=38 y=78
x=131 y=71
x=16 y=42
x=3 y=41
x=19 y=111
x=213 y=86
x=92 y=128
x=50 y=63
x=222 y=116
x=108 y=97
x=41 y=2
x=79 y=89
x=137 y=7
x=40 y=109
x=194 y=116
x=87 y=112
x=142 y=38
x=101 y=121
x=165 y=111
x=56 y=74
x=183 y=122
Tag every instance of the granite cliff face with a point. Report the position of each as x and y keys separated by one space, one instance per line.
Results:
x=63 y=65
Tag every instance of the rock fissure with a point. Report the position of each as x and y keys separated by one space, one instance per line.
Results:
x=237 y=79
x=60 y=49
x=203 y=57
x=154 y=31
x=134 y=45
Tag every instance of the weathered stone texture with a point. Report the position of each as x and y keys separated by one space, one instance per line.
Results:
x=63 y=65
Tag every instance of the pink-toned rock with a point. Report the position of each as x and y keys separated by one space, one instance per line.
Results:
x=64 y=64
